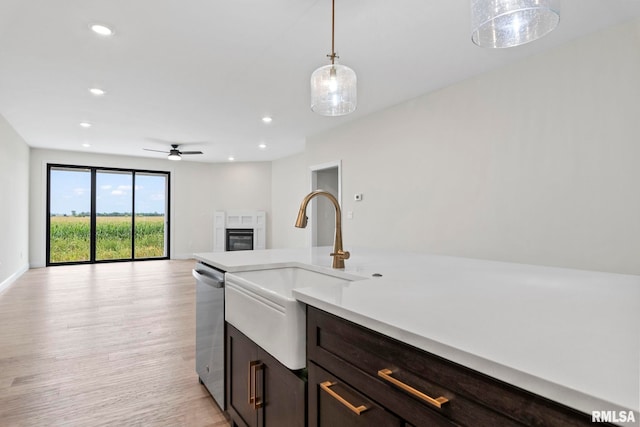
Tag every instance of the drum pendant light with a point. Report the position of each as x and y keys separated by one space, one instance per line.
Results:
x=508 y=23
x=333 y=86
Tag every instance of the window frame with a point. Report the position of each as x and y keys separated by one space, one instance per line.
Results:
x=92 y=245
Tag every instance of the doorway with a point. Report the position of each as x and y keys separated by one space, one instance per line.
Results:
x=106 y=214
x=328 y=177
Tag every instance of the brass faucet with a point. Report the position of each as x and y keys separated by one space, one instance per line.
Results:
x=338 y=254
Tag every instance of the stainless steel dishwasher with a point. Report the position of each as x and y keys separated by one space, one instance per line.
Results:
x=210 y=330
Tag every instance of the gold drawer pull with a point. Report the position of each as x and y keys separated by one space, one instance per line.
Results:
x=357 y=410
x=254 y=400
x=385 y=374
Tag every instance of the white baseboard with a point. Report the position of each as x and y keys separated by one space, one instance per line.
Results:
x=182 y=256
x=9 y=281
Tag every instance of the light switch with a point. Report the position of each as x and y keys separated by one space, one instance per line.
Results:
x=349 y=214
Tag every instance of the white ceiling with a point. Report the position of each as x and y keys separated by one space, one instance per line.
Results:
x=204 y=72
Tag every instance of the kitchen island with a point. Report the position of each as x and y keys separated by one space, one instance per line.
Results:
x=571 y=336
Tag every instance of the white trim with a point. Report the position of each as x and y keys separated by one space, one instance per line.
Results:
x=11 y=279
x=256 y=220
x=182 y=256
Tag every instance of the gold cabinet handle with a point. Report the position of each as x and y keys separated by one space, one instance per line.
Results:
x=258 y=402
x=385 y=374
x=250 y=389
x=356 y=409
x=254 y=400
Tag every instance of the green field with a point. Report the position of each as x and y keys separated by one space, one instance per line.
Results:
x=69 y=238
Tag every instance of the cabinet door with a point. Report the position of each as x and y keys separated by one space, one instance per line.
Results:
x=242 y=364
x=261 y=391
x=334 y=403
x=282 y=393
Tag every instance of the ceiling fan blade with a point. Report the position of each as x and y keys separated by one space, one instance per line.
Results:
x=157 y=151
x=191 y=152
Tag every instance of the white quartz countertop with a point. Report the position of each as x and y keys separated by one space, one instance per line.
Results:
x=572 y=336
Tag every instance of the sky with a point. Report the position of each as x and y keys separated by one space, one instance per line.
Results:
x=71 y=191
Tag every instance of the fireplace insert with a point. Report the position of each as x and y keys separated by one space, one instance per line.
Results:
x=239 y=239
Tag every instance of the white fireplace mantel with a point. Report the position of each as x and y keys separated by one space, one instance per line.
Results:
x=222 y=220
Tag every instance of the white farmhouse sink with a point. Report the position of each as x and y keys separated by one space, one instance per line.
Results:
x=261 y=305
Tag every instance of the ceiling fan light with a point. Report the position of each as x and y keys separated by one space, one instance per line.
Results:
x=334 y=90
x=174 y=156
x=509 y=23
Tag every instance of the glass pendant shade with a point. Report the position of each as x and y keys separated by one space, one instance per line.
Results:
x=508 y=23
x=333 y=90
x=174 y=156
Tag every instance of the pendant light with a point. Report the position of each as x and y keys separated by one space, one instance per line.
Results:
x=508 y=23
x=333 y=86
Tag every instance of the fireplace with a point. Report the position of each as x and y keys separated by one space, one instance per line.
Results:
x=239 y=239
x=243 y=230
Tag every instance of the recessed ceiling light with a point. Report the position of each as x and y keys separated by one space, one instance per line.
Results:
x=267 y=119
x=97 y=91
x=101 y=29
x=231 y=158
x=86 y=145
x=262 y=146
x=85 y=125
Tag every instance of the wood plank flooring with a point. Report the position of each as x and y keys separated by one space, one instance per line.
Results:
x=102 y=345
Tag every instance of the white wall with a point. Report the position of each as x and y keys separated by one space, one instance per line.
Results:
x=534 y=163
x=197 y=190
x=14 y=197
x=290 y=183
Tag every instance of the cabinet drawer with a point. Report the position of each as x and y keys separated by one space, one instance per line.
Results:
x=335 y=403
x=406 y=379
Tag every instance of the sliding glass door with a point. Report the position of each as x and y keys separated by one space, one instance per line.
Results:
x=69 y=219
x=114 y=219
x=151 y=220
x=109 y=214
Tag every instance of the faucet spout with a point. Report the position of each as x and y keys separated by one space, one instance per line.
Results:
x=338 y=254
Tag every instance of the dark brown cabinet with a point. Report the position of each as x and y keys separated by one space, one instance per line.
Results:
x=401 y=385
x=261 y=392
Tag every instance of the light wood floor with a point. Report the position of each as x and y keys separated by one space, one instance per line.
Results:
x=102 y=345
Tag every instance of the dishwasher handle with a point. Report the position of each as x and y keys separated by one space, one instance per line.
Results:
x=201 y=276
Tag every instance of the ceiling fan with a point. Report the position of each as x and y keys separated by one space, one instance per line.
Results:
x=174 y=153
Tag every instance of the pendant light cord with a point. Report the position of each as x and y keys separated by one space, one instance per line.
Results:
x=333 y=55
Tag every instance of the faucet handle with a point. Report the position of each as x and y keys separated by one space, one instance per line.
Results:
x=341 y=254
